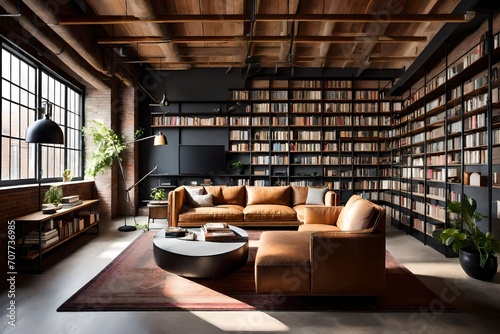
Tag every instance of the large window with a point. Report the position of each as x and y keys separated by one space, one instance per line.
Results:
x=26 y=86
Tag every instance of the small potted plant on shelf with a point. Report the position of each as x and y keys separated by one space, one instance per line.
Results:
x=239 y=166
x=157 y=195
x=476 y=249
x=52 y=198
x=67 y=176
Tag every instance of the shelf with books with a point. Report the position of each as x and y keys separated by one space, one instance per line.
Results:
x=41 y=232
x=452 y=118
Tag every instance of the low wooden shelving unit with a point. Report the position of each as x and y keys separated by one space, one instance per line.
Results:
x=69 y=222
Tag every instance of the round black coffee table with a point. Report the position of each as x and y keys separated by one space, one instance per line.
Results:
x=200 y=258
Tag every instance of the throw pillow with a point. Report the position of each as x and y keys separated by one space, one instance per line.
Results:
x=203 y=200
x=190 y=192
x=316 y=195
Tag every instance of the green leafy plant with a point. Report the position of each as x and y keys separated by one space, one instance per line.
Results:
x=66 y=174
x=239 y=166
x=158 y=194
x=105 y=140
x=464 y=233
x=143 y=227
x=138 y=133
x=53 y=195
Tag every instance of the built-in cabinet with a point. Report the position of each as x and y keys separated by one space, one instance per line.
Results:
x=446 y=141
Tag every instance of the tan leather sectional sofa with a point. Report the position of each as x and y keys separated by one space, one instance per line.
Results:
x=337 y=251
x=245 y=205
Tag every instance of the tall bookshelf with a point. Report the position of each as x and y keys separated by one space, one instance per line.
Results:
x=445 y=140
x=314 y=132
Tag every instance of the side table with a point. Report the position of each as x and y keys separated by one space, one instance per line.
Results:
x=157 y=211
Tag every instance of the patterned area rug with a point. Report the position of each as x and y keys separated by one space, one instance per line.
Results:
x=133 y=282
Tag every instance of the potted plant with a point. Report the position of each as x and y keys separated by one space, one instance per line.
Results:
x=108 y=146
x=476 y=249
x=158 y=194
x=53 y=195
x=239 y=166
x=66 y=174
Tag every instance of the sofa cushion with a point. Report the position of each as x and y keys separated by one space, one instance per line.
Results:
x=216 y=213
x=227 y=194
x=263 y=212
x=299 y=195
x=268 y=195
x=357 y=215
x=319 y=214
x=316 y=195
x=300 y=210
x=282 y=263
x=317 y=228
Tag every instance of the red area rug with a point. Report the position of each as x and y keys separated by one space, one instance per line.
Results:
x=133 y=282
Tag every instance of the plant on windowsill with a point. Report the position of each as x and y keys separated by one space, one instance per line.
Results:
x=67 y=176
x=476 y=249
x=105 y=141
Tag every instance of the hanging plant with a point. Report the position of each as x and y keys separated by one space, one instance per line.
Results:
x=104 y=153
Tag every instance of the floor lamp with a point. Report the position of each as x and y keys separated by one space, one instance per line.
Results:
x=43 y=131
x=160 y=140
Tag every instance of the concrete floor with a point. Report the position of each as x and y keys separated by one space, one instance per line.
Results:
x=38 y=296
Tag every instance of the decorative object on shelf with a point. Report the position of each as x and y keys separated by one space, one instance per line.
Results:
x=476 y=249
x=67 y=176
x=476 y=179
x=239 y=166
x=158 y=194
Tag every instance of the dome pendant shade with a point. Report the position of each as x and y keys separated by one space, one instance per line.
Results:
x=44 y=131
x=160 y=140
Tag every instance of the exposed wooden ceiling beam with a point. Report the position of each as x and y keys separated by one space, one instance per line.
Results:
x=185 y=18
x=161 y=60
x=262 y=39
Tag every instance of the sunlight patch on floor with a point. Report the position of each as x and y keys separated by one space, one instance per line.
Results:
x=241 y=321
x=114 y=250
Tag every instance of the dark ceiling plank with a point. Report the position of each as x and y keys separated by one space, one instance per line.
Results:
x=185 y=18
x=262 y=39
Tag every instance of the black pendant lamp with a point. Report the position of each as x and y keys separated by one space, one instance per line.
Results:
x=45 y=130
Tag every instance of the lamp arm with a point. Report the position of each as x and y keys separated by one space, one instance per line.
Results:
x=145 y=176
x=140 y=139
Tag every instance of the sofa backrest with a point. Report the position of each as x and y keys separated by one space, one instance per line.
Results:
x=361 y=214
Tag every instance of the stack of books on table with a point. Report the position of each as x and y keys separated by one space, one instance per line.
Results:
x=218 y=232
x=47 y=238
x=70 y=201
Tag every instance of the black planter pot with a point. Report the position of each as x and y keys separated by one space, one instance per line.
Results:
x=470 y=264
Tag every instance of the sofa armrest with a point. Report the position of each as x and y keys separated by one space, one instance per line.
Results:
x=176 y=199
x=351 y=263
x=331 y=198
x=322 y=214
